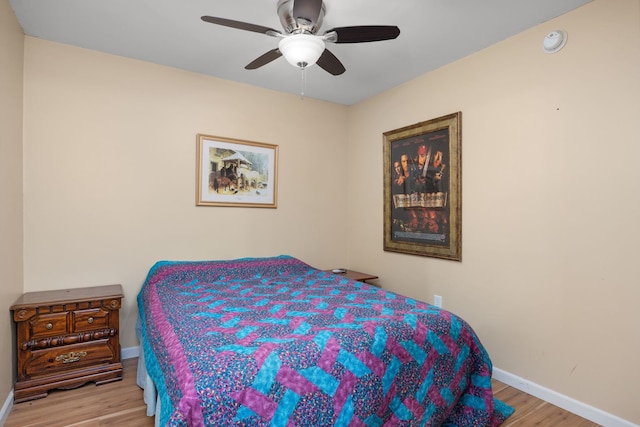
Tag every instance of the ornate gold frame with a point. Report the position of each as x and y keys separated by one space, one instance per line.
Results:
x=423 y=201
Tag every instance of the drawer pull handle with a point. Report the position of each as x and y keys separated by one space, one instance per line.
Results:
x=71 y=357
x=49 y=325
x=90 y=320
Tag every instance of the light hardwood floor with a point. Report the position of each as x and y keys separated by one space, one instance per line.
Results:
x=120 y=404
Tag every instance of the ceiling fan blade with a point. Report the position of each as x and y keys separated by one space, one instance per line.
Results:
x=309 y=10
x=365 y=33
x=241 y=25
x=264 y=59
x=330 y=63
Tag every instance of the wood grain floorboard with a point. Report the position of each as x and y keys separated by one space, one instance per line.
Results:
x=121 y=404
x=118 y=403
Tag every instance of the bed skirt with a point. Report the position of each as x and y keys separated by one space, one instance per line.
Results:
x=144 y=381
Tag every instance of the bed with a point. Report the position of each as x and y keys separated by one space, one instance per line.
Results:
x=274 y=341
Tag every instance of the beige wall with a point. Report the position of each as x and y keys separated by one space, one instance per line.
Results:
x=110 y=157
x=551 y=199
x=11 y=63
x=550 y=188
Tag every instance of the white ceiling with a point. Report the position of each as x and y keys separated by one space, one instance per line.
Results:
x=170 y=32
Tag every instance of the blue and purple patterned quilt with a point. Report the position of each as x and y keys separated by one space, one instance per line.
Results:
x=276 y=342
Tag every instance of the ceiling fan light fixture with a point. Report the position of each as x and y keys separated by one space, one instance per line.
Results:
x=301 y=50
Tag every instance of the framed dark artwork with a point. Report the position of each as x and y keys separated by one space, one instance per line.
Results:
x=232 y=172
x=422 y=188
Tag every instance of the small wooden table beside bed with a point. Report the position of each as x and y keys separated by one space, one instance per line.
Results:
x=353 y=275
x=274 y=341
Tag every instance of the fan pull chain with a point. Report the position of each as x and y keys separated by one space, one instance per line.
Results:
x=303 y=82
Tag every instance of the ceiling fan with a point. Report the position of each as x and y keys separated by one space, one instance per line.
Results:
x=300 y=45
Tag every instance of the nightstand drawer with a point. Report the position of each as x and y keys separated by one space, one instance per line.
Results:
x=46 y=325
x=44 y=362
x=88 y=320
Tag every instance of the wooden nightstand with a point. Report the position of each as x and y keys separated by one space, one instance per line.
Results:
x=67 y=338
x=354 y=275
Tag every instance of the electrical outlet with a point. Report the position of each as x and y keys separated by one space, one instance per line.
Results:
x=437 y=301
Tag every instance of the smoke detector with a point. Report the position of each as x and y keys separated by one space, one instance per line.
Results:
x=554 y=41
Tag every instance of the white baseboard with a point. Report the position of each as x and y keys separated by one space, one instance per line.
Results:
x=565 y=402
x=6 y=408
x=130 y=352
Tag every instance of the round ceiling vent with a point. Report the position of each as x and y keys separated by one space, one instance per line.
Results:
x=554 y=41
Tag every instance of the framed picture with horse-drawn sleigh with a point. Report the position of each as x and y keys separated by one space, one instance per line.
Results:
x=232 y=172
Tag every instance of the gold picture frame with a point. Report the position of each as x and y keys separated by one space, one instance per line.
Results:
x=233 y=172
x=422 y=188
